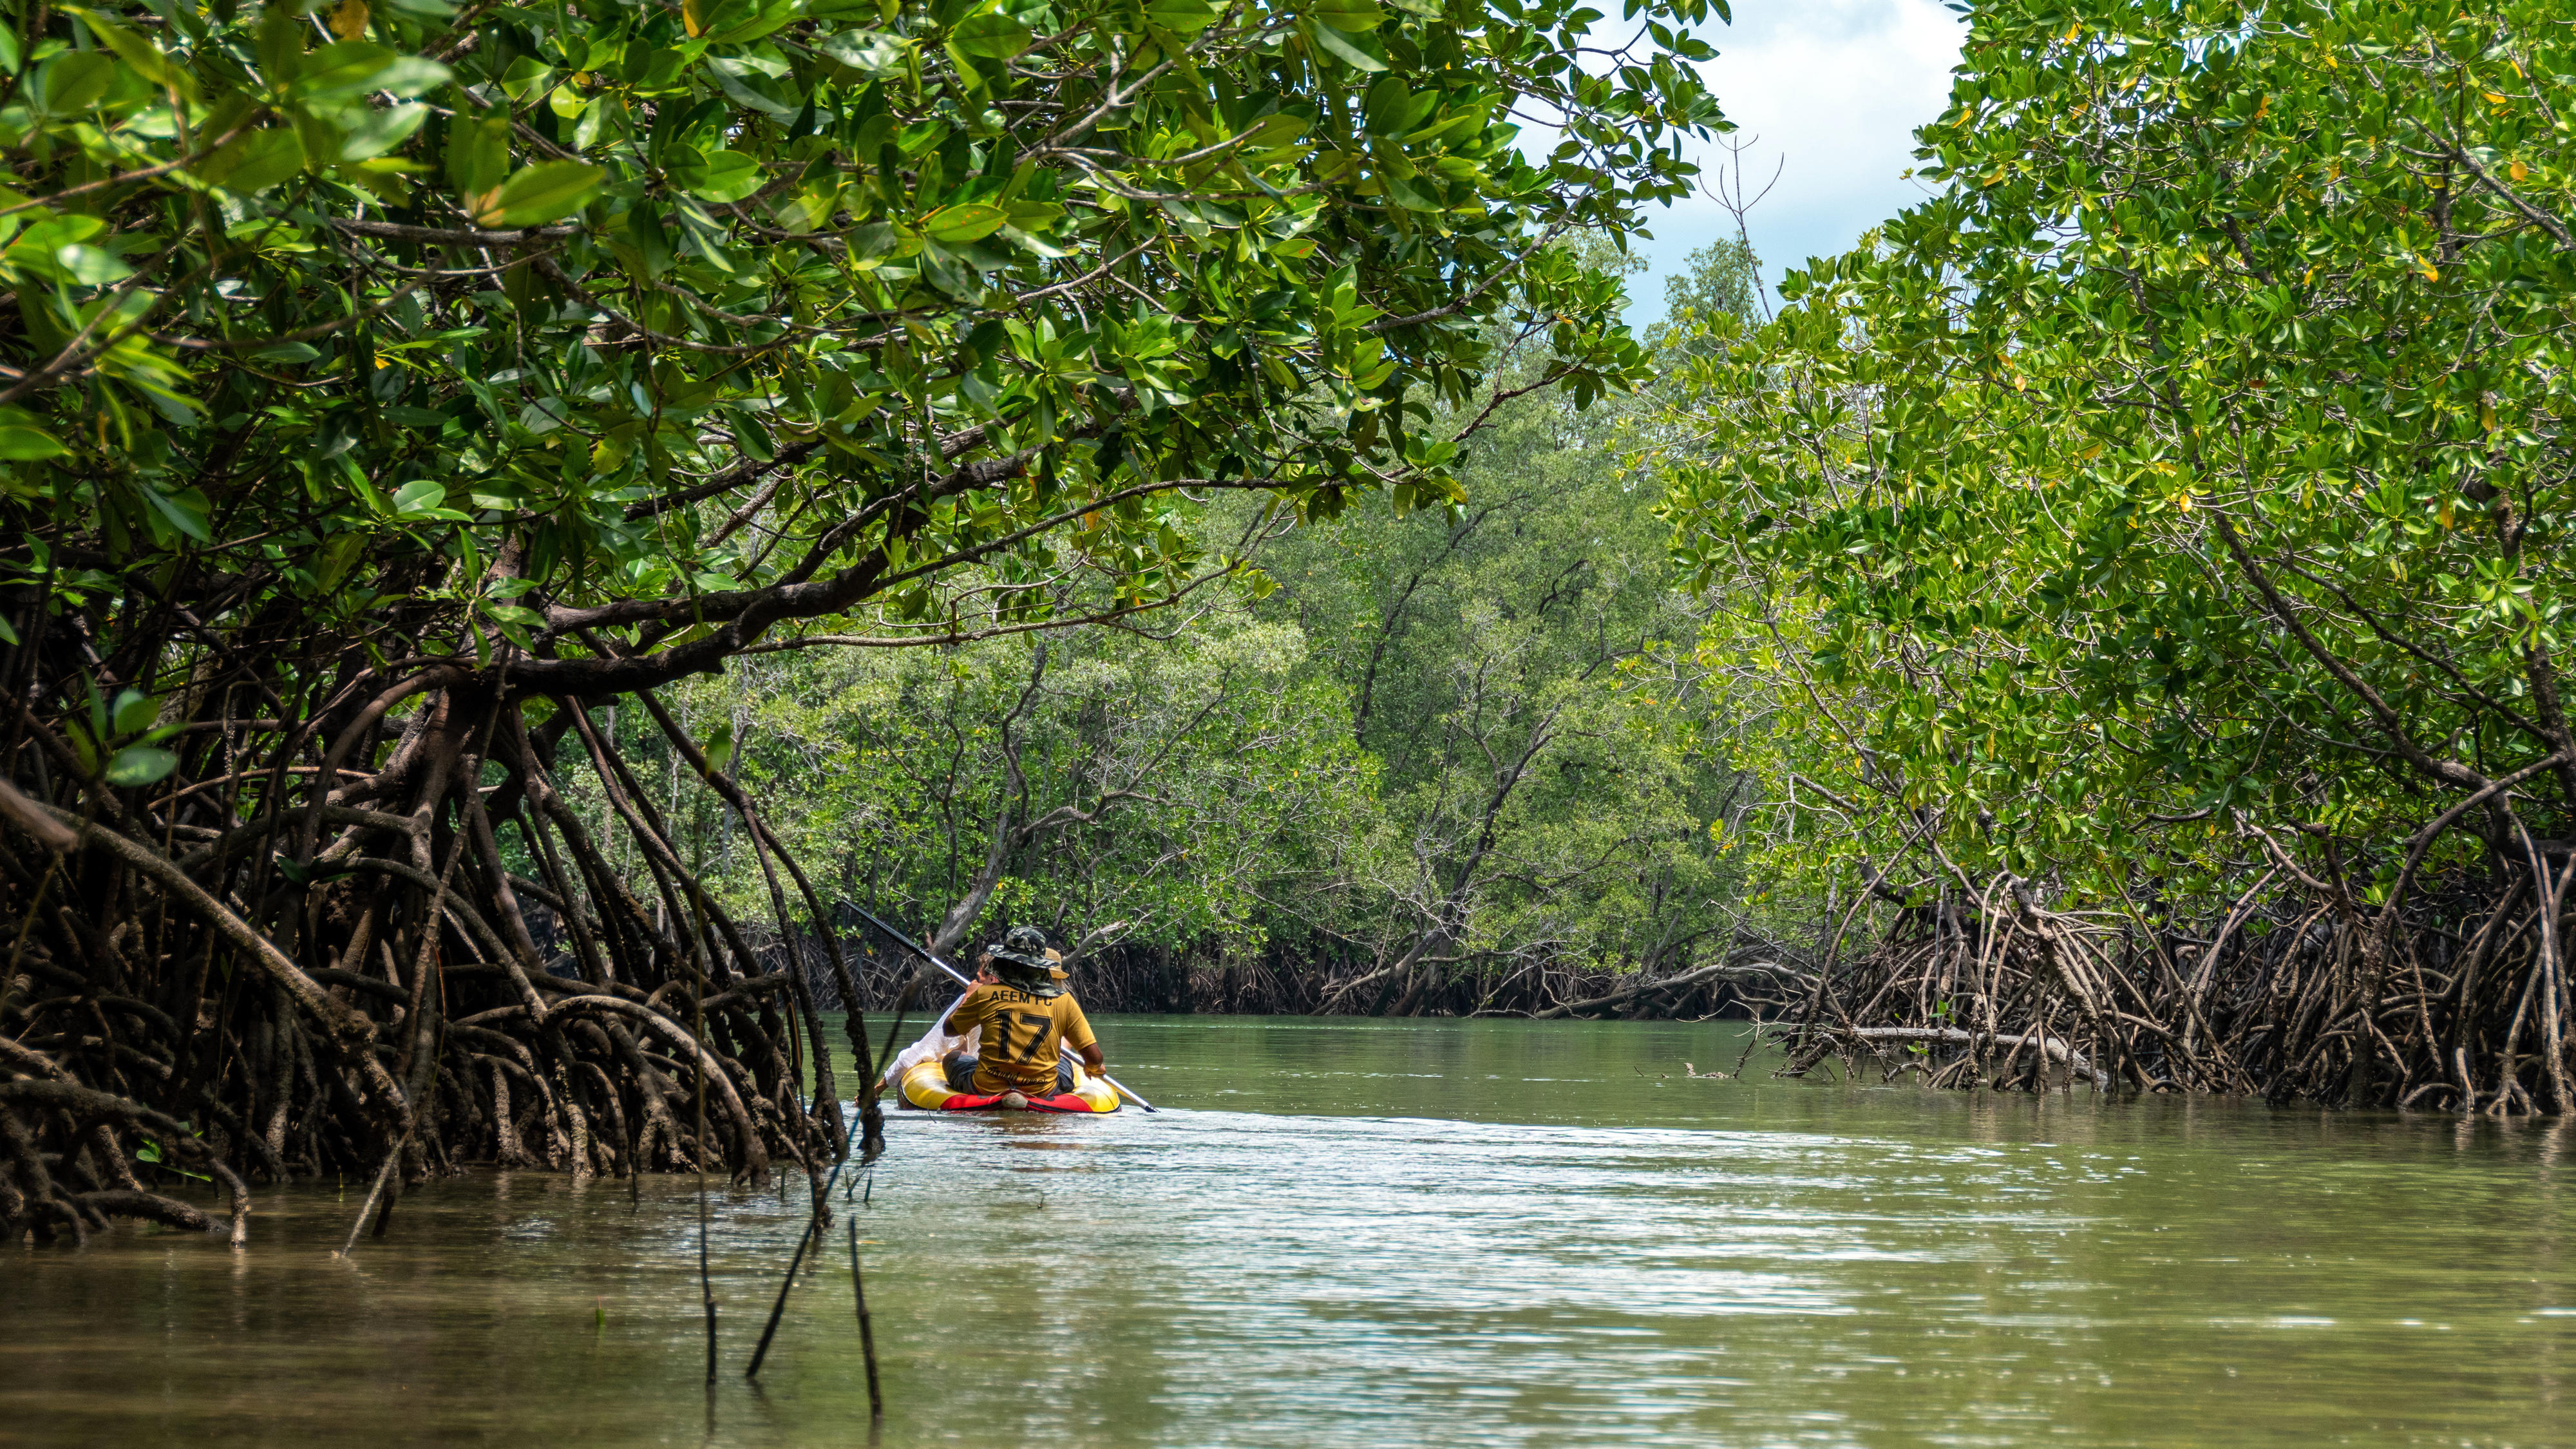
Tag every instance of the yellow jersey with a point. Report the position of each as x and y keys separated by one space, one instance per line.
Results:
x=1021 y=1037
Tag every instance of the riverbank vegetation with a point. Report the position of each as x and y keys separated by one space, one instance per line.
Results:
x=1434 y=764
x=2154 y=546
x=397 y=394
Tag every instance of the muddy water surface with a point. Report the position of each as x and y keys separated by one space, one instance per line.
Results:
x=1427 y=1233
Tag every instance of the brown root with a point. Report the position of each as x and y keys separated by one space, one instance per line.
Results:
x=310 y=949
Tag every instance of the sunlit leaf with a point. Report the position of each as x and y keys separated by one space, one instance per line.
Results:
x=719 y=176
x=140 y=765
x=29 y=445
x=1360 y=51
x=991 y=34
x=547 y=191
x=971 y=222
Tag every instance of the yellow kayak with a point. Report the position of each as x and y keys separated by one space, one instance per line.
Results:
x=924 y=1084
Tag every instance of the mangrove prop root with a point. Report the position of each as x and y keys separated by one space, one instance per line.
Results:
x=310 y=949
x=2452 y=997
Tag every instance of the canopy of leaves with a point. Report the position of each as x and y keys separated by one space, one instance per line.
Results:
x=613 y=337
x=2198 y=454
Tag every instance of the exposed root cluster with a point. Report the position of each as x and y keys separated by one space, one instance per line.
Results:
x=2455 y=998
x=306 y=949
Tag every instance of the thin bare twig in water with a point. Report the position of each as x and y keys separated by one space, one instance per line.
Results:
x=813 y=1234
x=698 y=1026
x=867 y=1333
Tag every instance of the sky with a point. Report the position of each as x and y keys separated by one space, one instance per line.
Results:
x=1831 y=88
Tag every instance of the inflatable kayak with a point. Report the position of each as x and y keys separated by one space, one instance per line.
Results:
x=924 y=1084
x=921 y=1081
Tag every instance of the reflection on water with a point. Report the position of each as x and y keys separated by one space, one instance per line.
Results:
x=1364 y=1233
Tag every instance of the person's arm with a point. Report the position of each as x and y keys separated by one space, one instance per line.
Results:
x=967 y=1020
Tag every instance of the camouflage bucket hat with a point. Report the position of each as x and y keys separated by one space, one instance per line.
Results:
x=1024 y=952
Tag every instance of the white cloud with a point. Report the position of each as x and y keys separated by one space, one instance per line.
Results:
x=1831 y=88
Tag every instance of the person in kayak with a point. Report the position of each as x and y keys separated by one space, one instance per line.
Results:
x=1024 y=1021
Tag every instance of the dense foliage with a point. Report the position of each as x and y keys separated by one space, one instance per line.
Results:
x=2176 y=504
x=1106 y=786
x=1556 y=794
x=925 y=284
x=390 y=388
x=1452 y=762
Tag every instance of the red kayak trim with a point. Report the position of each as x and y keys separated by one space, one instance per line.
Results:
x=1060 y=1102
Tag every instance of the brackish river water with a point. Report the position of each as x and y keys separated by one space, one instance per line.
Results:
x=1354 y=1233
